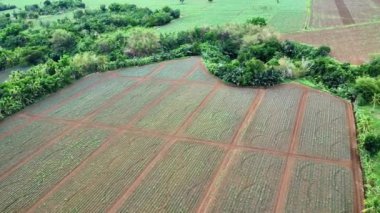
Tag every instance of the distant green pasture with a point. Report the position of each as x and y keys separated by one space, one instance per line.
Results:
x=284 y=15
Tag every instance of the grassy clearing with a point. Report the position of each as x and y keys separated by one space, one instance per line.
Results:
x=312 y=181
x=177 y=183
x=271 y=127
x=324 y=131
x=222 y=115
x=250 y=185
x=24 y=186
x=102 y=181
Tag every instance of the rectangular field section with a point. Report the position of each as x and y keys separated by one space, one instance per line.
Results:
x=177 y=69
x=317 y=187
x=178 y=182
x=138 y=71
x=222 y=115
x=173 y=110
x=23 y=187
x=250 y=184
x=102 y=180
x=11 y=123
x=274 y=120
x=56 y=98
x=22 y=143
x=129 y=105
x=92 y=99
x=325 y=131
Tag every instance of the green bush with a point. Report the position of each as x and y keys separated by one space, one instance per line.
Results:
x=372 y=143
x=142 y=42
x=257 y=21
x=366 y=88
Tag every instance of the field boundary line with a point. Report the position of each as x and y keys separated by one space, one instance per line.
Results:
x=212 y=188
x=17 y=128
x=192 y=69
x=344 y=13
x=145 y=109
x=38 y=151
x=201 y=105
x=355 y=161
x=283 y=186
x=106 y=143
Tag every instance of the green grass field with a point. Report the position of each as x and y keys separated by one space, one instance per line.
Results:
x=284 y=15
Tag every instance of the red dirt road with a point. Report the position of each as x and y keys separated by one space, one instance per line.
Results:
x=56 y=195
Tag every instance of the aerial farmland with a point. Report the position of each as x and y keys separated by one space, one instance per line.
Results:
x=190 y=106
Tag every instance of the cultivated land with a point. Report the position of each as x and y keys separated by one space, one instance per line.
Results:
x=145 y=140
x=355 y=44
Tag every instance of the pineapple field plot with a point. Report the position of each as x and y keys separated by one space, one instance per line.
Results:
x=250 y=185
x=313 y=181
x=92 y=99
x=134 y=142
x=102 y=180
x=72 y=90
x=28 y=183
x=272 y=126
x=177 y=183
x=221 y=116
x=124 y=109
x=325 y=131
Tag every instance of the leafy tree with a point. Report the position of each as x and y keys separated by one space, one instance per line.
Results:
x=62 y=41
x=141 y=42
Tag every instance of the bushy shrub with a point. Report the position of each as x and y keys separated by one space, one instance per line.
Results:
x=62 y=41
x=87 y=62
x=372 y=143
x=257 y=21
x=142 y=42
x=366 y=88
x=263 y=51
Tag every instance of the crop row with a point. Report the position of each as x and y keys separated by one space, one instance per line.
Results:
x=324 y=130
x=273 y=122
x=201 y=75
x=317 y=187
x=250 y=184
x=65 y=93
x=91 y=99
x=124 y=109
x=11 y=123
x=176 y=69
x=24 y=186
x=177 y=183
x=138 y=71
x=101 y=181
x=172 y=111
x=20 y=144
x=221 y=116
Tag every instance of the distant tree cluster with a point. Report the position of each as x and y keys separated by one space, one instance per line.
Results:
x=48 y=7
x=6 y=7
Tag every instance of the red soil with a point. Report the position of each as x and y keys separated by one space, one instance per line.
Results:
x=355 y=44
